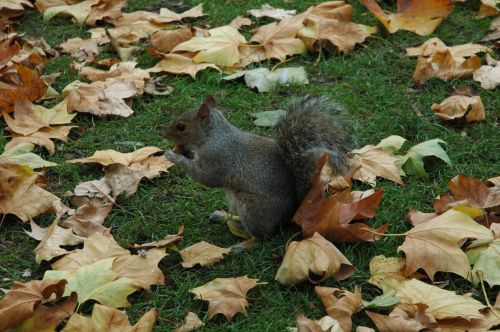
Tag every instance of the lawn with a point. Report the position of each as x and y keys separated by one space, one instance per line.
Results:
x=373 y=83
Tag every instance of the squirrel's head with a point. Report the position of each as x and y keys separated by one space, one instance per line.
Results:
x=189 y=129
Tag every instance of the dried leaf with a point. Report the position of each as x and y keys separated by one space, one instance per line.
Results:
x=264 y=80
x=340 y=304
x=166 y=40
x=13 y=8
x=419 y=16
x=20 y=301
x=371 y=161
x=267 y=10
x=314 y=259
x=180 y=64
x=191 y=323
x=395 y=324
x=382 y=268
x=325 y=324
x=108 y=319
x=167 y=241
x=240 y=21
x=455 y=107
x=104 y=10
x=435 y=244
x=226 y=295
x=488 y=8
x=87 y=219
x=167 y=16
x=488 y=76
x=79 y=11
x=202 y=253
x=82 y=49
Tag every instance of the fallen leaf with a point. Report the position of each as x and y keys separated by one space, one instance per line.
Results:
x=202 y=253
x=264 y=80
x=337 y=10
x=141 y=269
x=11 y=8
x=279 y=39
x=167 y=16
x=396 y=324
x=340 y=304
x=325 y=324
x=488 y=8
x=220 y=48
x=97 y=281
x=21 y=300
x=125 y=70
x=108 y=157
x=95 y=188
x=104 y=10
x=455 y=107
x=488 y=75
x=314 y=259
x=191 y=323
x=495 y=31
x=108 y=319
x=156 y=86
x=413 y=161
x=82 y=49
x=331 y=217
x=226 y=295
x=435 y=244
x=382 y=268
x=484 y=255
x=240 y=21
x=419 y=16
x=267 y=10
x=442 y=304
x=166 y=40
x=343 y=35
x=51 y=239
x=267 y=118
x=87 y=219
x=180 y=64
x=22 y=154
x=167 y=241
x=79 y=11
x=435 y=59
x=20 y=194
x=383 y=301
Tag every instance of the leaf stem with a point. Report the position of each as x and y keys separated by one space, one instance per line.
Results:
x=488 y=303
x=382 y=234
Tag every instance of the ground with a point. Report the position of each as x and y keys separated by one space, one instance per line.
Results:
x=373 y=83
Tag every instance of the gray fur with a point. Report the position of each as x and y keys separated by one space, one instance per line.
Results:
x=264 y=178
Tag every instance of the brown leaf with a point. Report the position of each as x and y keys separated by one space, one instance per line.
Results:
x=180 y=64
x=13 y=8
x=191 y=323
x=455 y=107
x=269 y=11
x=416 y=217
x=108 y=157
x=337 y=10
x=314 y=259
x=20 y=193
x=396 y=324
x=42 y=137
x=109 y=319
x=20 y=301
x=88 y=219
x=142 y=269
x=488 y=8
x=435 y=244
x=343 y=35
x=279 y=39
x=82 y=49
x=331 y=217
x=325 y=324
x=51 y=239
x=240 y=21
x=495 y=31
x=340 y=304
x=104 y=9
x=226 y=295
x=26 y=82
x=419 y=16
x=167 y=241
x=124 y=70
x=166 y=40
x=202 y=253
x=489 y=75
x=167 y=16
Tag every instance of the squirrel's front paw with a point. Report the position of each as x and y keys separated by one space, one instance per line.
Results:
x=174 y=157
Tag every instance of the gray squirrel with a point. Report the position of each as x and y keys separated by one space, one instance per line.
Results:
x=265 y=179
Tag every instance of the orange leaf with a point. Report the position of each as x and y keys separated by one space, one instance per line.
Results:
x=27 y=83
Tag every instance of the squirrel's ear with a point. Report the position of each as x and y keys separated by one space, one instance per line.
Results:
x=204 y=111
x=210 y=102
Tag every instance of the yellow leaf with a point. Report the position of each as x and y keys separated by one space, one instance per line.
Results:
x=191 y=322
x=79 y=11
x=180 y=64
x=370 y=161
x=455 y=107
x=202 y=253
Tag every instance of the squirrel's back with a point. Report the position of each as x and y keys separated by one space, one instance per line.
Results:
x=309 y=128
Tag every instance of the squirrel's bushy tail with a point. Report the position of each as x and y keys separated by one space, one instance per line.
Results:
x=309 y=129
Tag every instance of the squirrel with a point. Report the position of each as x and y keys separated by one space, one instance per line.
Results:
x=265 y=179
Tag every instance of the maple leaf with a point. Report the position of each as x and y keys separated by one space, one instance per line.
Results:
x=419 y=16
x=325 y=324
x=13 y=8
x=202 y=253
x=108 y=157
x=371 y=161
x=240 y=21
x=439 y=240
x=220 y=48
x=82 y=49
x=108 y=319
x=458 y=106
x=382 y=268
x=191 y=322
x=167 y=16
x=226 y=295
x=104 y=10
x=87 y=219
x=398 y=321
x=97 y=281
x=340 y=304
x=314 y=259
x=337 y=10
x=22 y=154
x=343 y=35
x=79 y=11
x=21 y=299
x=484 y=256
x=51 y=239
x=26 y=82
x=435 y=59
x=413 y=161
x=267 y=10
x=495 y=31
x=488 y=8
x=442 y=304
x=166 y=40
x=20 y=194
x=143 y=270
x=489 y=75
x=167 y=241
x=124 y=70
x=180 y=64
x=279 y=39
x=331 y=216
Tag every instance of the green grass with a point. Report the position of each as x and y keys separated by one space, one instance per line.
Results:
x=372 y=83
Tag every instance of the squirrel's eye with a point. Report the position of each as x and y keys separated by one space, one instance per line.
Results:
x=180 y=126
